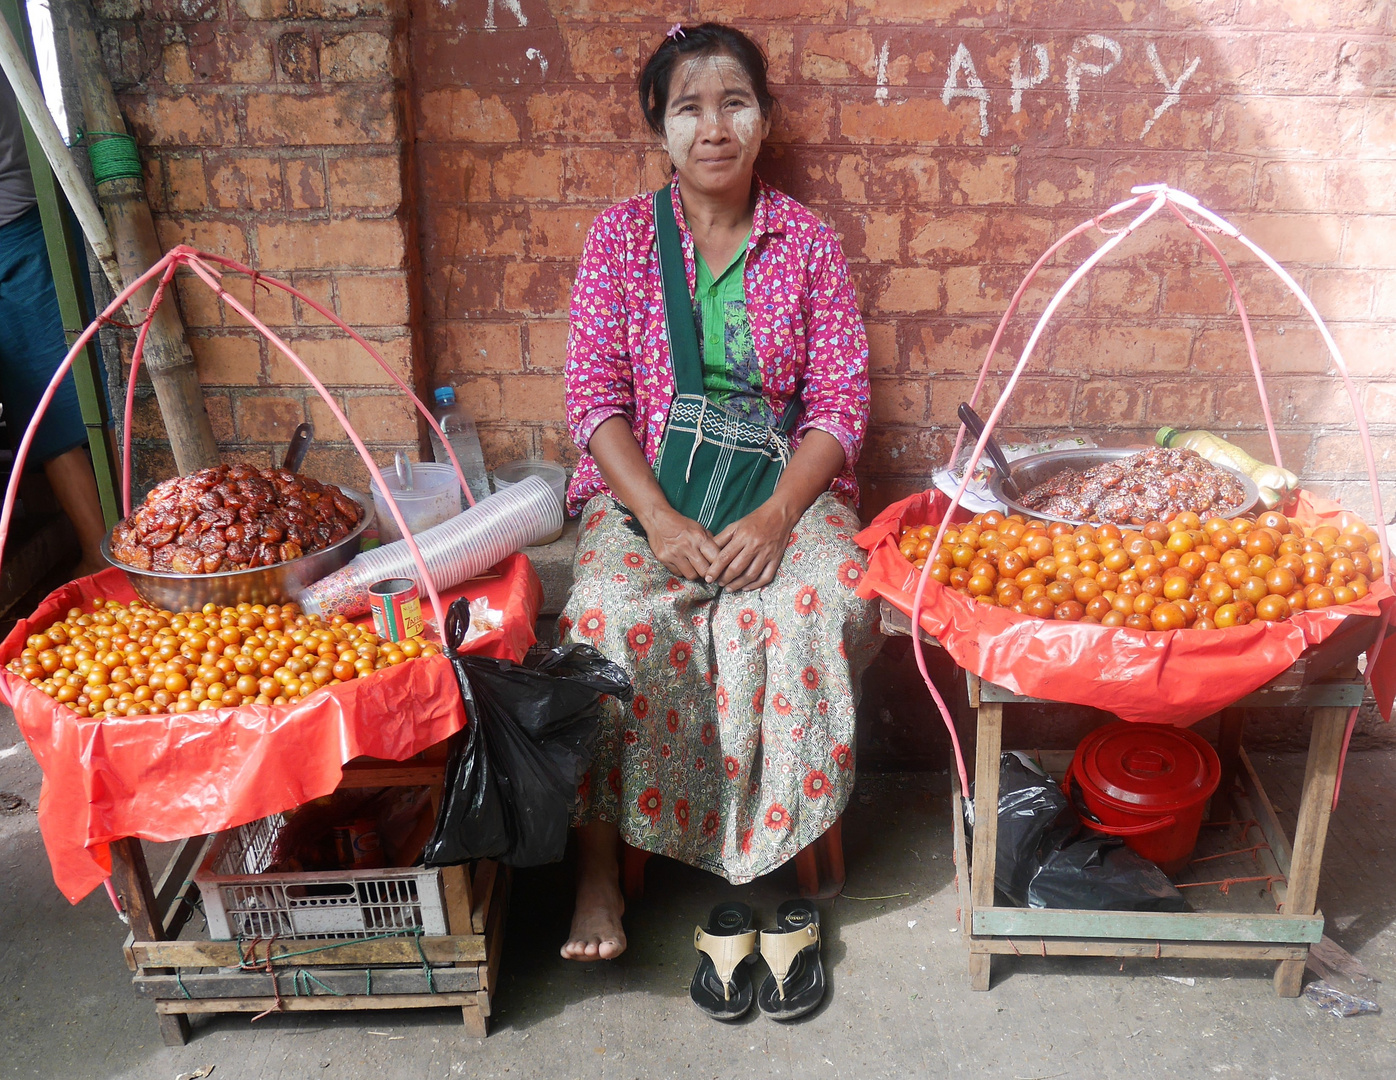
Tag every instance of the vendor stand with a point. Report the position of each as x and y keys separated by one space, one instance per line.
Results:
x=414 y=937
x=1158 y=675
x=1325 y=683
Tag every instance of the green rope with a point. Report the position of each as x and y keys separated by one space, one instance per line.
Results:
x=182 y=988
x=115 y=157
x=306 y=978
x=368 y=982
x=426 y=968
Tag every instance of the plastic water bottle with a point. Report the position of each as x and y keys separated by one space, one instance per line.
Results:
x=459 y=426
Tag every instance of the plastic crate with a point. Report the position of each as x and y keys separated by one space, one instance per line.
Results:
x=241 y=901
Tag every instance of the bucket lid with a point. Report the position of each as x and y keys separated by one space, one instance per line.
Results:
x=1149 y=765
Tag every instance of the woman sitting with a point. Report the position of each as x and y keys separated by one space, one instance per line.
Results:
x=745 y=641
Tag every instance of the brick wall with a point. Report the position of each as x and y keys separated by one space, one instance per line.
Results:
x=274 y=132
x=949 y=142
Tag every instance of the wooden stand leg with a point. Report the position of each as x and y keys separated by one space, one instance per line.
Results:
x=477 y=1024
x=979 y=970
x=131 y=877
x=988 y=747
x=1311 y=831
x=1233 y=725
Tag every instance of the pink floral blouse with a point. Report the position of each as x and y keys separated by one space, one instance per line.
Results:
x=800 y=303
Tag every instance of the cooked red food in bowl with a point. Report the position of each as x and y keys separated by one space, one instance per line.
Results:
x=1153 y=485
x=233 y=517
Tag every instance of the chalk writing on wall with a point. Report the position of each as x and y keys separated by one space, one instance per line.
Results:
x=1090 y=59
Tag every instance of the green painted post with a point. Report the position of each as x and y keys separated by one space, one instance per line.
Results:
x=62 y=257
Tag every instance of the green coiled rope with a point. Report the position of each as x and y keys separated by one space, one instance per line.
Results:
x=114 y=157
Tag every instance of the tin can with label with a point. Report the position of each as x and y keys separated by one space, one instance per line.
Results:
x=397 y=610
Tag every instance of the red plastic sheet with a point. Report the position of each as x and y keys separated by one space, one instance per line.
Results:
x=168 y=777
x=1165 y=677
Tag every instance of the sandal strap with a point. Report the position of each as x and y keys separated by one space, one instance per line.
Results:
x=780 y=949
x=726 y=951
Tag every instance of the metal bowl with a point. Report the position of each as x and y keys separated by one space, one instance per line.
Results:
x=277 y=584
x=1028 y=472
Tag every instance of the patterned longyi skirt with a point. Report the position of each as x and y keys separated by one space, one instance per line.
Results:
x=737 y=748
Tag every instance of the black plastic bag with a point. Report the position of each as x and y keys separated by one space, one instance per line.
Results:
x=1099 y=873
x=1048 y=857
x=511 y=785
x=1029 y=803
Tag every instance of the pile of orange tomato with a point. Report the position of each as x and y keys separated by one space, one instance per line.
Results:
x=1184 y=573
x=136 y=660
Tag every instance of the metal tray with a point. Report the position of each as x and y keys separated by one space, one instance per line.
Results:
x=1028 y=472
x=278 y=584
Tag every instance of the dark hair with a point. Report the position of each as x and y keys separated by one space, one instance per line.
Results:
x=709 y=39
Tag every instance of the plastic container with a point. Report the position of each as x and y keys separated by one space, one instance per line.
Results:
x=508 y=475
x=459 y=426
x=434 y=498
x=453 y=551
x=242 y=902
x=1147 y=783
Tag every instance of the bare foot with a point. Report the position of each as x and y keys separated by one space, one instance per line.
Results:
x=597 y=933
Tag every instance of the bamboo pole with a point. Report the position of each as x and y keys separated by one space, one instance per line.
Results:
x=167 y=355
x=31 y=101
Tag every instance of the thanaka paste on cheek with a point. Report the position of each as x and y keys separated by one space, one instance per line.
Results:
x=679 y=133
x=746 y=124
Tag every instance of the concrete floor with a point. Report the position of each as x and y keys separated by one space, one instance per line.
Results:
x=898 y=1003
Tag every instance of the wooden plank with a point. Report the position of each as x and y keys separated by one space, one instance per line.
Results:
x=957 y=819
x=992 y=692
x=477 y=1022
x=236 y=984
x=486 y=871
x=1151 y=925
x=1264 y=814
x=366 y=773
x=897 y=623
x=315 y=1004
x=1268 y=857
x=460 y=901
x=170 y=885
x=1343 y=694
x=1234 y=950
x=131 y=877
x=988 y=744
x=972 y=689
x=1311 y=831
x=337 y=952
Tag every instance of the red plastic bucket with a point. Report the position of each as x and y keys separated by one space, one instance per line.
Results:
x=1149 y=784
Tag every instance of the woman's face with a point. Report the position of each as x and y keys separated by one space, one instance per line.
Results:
x=713 y=126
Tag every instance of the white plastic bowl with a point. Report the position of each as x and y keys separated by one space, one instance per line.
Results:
x=508 y=475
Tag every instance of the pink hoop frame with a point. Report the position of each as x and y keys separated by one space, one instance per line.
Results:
x=1158 y=196
x=199 y=262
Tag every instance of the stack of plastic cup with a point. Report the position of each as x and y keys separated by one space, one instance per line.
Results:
x=455 y=550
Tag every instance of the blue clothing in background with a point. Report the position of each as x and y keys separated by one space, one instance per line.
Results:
x=32 y=344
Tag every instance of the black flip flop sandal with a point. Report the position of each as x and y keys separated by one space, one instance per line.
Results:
x=791 y=951
x=721 y=986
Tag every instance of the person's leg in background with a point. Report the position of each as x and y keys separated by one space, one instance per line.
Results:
x=75 y=486
x=31 y=348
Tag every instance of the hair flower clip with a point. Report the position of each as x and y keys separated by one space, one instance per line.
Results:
x=676 y=32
